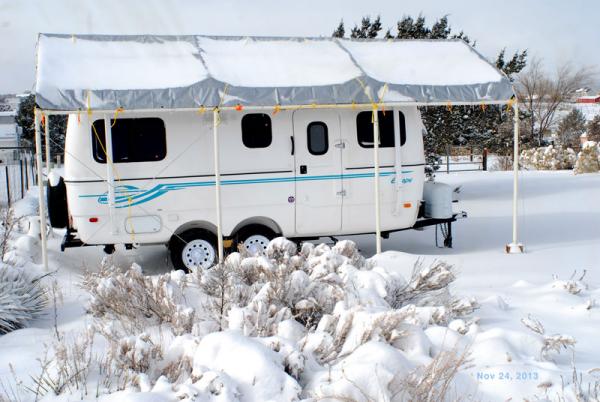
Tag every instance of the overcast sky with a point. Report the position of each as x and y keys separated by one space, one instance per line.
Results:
x=556 y=30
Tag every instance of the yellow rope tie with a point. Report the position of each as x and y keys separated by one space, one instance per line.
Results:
x=129 y=201
x=449 y=106
x=483 y=107
x=509 y=105
x=276 y=109
x=201 y=110
x=218 y=120
x=119 y=110
x=223 y=96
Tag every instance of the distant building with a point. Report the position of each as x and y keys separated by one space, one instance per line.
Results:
x=589 y=99
x=9 y=135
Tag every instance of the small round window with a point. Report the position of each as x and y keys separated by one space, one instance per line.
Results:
x=317 y=140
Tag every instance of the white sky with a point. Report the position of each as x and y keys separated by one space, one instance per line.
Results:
x=556 y=30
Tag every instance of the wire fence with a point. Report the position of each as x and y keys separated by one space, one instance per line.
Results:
x=17 y=173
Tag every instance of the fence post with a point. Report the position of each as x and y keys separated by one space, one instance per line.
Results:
x=26 y=173
x=484 y=159
x=22 y=184
x=447 y=159
x=7 y=185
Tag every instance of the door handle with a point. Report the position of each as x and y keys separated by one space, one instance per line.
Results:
x=303 y=169
x=293 y=144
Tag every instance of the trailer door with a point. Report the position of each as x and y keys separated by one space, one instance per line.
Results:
x=318 y=169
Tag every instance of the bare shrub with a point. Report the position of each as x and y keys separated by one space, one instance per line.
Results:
x=137 y=300
x=426 y=286
x=65 y=367
x=431 y=382
x=556 y=342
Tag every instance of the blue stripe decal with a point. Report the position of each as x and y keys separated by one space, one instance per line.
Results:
x=127 y=195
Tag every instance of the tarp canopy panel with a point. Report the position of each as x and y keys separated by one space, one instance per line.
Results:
x=101 y=72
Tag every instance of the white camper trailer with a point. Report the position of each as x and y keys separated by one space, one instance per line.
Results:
x=245 y=139
x=299 y=174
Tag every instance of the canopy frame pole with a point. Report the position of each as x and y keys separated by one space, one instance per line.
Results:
x=47 y=142
x=515 y=247
x=40 y=183
x=217 y=182
x=398 y=161
x=376 y=177
x=110 y=176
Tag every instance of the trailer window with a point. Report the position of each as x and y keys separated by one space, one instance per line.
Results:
x=317 y=140
x=256 y=130
x=364 y=129
x=134 y=140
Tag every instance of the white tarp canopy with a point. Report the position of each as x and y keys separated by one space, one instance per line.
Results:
x=103 y=72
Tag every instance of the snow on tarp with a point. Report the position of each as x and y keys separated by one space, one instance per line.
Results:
x=155 y=72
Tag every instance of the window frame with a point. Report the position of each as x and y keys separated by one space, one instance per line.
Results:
x=308 y=137
x=401 y=121
x=270 y=125
x=96 y=137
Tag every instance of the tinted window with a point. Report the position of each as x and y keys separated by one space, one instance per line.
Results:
x=256 y=130
x=318 y=143
x=134 y=140
x=364 y=129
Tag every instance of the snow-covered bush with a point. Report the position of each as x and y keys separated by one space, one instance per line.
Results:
x=548 y=158
x=285 y=325
x=136 y=300
x=588 y=159
x=22 y=298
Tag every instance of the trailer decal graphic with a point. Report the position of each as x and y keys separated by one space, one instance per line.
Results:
x=127 y=195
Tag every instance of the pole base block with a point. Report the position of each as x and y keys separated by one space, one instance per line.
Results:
x=514 y=248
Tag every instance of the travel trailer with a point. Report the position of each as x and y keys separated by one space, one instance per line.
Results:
x=300 y=174
x=204 y=142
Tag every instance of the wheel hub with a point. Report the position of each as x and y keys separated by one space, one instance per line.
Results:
x=198 y=254
x=256 y=244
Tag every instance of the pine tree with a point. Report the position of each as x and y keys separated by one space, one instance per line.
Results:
x=570 y=129
x=440 y=30
x=593 y=129
x=25 y=120
x=339 y=31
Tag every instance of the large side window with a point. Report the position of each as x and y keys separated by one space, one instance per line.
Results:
x=256 y=130
x=364 y=129
x=134 y=140
x=318 y=142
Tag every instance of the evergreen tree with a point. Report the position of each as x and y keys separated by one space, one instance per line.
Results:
x=570 y=129
x=339 y=31
x=368 y=29
x=25 y=120
x=593 y=129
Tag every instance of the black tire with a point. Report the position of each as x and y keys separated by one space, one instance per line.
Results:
x=244 y=233
x=179 y=242
x=57 y=204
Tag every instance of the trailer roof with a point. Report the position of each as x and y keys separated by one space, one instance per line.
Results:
x=77 y=72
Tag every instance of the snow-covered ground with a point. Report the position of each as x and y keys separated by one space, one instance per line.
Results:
x=559 y=224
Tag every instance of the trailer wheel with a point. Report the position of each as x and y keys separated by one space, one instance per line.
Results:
x=194 y=248
x=255 y=238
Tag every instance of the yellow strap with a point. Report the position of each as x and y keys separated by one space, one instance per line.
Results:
x=449 y=106
x=119 y=110
x=511 y=102
x=276 y=109
x=129 y=200
x=483 y=106
x=201 y=110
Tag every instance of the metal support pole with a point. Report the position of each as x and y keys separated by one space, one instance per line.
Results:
x=515 y=246
x=7 y=185
x=217 y=182
x=47 y=143
x=40 y=183
x=110 y=176
x=398 y=161
x=376 y=159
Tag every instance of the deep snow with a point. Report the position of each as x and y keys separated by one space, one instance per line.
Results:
x=559 y=224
